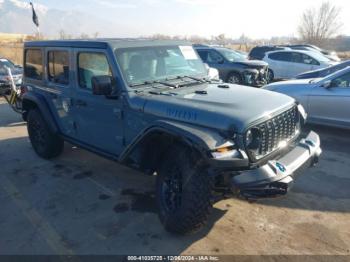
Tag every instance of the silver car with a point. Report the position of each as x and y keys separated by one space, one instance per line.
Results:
x=326 y=100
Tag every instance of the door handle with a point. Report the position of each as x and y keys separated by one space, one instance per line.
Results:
x=80 y=103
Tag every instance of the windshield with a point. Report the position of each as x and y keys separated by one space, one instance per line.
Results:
x=231 y=55
x=148 y=64
x=5 y=63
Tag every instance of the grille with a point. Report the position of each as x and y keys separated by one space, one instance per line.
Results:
x=283 y=127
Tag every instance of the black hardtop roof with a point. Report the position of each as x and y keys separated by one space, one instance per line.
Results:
x=114 y=43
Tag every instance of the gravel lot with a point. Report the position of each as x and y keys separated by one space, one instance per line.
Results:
x=80 y=203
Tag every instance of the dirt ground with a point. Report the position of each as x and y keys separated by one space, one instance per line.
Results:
x=80 y=203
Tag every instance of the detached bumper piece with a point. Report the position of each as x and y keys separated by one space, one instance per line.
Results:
x=276 y=177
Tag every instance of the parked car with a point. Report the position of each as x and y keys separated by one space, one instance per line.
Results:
x=326 y=100
x=149 y=105
x=324 y=71
x=258 y=52
x=4 y=76
x=332 y=55
x=233 y=67
x=286 y=64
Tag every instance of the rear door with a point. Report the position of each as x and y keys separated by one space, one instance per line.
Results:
x=279 y=63
x=47 y=72
x=332 y=105
x=98 y=118
x=59 y=87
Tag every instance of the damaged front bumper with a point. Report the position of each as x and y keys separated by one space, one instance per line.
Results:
x=276 y=177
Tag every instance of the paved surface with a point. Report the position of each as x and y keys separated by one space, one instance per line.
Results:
x=80 y=203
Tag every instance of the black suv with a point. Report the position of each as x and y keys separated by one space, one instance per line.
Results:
x=150 y=105
x=258 y=52
x=233 y=67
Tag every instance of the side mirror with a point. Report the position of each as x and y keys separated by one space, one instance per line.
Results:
x=101 y=85
x=327 y=84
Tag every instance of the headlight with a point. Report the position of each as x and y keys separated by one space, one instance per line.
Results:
x=302 y=112
x=250 y=75
x=253 y=140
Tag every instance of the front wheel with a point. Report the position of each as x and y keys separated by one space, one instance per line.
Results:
x=183 y=192
x=270 y=76
x=234 y=78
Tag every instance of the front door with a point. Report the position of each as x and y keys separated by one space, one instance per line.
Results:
x=98 y=118
x=332 y=104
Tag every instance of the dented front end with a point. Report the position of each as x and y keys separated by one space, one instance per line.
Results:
x=265 y=159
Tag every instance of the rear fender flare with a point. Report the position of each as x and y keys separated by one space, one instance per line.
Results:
x=30 y=101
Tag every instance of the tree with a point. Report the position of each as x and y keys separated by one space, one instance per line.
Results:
x=320 y=24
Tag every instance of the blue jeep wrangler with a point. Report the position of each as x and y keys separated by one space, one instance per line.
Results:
x=150 y=105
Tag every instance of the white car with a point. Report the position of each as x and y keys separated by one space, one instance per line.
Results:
x=287 y=64
x=326 y=100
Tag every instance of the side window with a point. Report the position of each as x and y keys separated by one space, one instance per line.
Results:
x=297 y=58
x=91 y=64
x=274 y=56
x=309 y=60
x=203 y=55
x=286 y=56
x=58 y=67
x=341 y=81
x=33 y=67
x=280 y=56
x=214 y=57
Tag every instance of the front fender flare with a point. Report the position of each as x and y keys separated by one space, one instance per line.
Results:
x=200 y=138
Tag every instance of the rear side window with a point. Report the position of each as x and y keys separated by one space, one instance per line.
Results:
x=90 y=65
x=281 y=56
x=33 y=67
x=58 y=67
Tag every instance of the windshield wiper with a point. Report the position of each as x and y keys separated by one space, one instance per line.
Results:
x=166 y=84
x=203 y=80
x=154 y=82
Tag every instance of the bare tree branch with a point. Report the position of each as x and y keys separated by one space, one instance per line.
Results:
x=320 y=24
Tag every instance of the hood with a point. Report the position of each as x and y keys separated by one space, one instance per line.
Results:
x=236 y=107
x=253 y=63
x=289 y=82
x=295 y=83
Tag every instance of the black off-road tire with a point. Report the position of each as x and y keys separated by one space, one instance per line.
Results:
x=234 y=78
x=45 y=143
x=181 y=171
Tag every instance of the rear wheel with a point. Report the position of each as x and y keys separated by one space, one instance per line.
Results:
x=183 y=192
x=45 y=143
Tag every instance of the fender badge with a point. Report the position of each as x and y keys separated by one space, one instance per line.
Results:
x=281 y=167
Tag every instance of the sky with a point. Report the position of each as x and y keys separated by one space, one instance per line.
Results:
x=253 y=18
